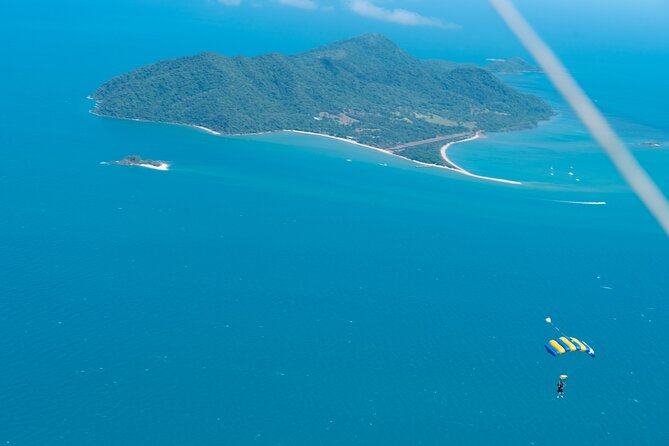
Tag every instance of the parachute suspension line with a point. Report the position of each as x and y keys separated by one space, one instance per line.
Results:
x=566 y=343
x=550 y=322
x=558 y=330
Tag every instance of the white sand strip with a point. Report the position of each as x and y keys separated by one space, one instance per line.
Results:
x=161 y=166
x=465 y=172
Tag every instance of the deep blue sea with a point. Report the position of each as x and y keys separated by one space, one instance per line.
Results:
x=268 y=291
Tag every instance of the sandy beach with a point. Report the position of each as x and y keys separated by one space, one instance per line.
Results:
x=161 y=166
x=323 y=135
x=451 y=165
x=457 y=168
x=205 y=129
x=378 y=149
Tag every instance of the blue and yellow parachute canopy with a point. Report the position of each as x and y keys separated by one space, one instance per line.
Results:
x=563 y=345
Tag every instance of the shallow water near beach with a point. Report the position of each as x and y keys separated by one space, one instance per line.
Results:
x=295 y=290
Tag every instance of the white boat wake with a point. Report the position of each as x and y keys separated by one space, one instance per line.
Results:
x=591 y=203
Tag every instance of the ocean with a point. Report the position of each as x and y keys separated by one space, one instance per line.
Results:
x=295 y=290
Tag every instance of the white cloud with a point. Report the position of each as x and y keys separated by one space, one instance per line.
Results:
x=368 y=9
x=302 y=4
x=230 y=2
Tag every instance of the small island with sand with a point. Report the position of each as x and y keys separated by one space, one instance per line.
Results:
x=136 y=160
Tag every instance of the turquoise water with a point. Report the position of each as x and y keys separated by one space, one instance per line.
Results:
x=561 y=153
x=268 y=291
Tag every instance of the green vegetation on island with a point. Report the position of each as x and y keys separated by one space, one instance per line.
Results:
x=514 y=65
x=365 y=89
x=426 y=153
x=136 y=160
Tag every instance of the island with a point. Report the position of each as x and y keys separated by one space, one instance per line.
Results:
x=136 y=160
x=653 y=144
x=515 y=65
x=364 y=90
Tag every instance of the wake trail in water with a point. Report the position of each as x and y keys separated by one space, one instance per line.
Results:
x=621 y=157
x=590 y=203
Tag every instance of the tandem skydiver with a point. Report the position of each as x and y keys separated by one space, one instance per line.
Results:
x=560 y=389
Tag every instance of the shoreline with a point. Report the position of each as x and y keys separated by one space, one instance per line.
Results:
x=205 y=129
x=457 y=168
x=163 y=166
x=451 y=165
x=366 y=146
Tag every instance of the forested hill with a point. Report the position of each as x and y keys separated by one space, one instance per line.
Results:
x=365 y=88
x=514 y=65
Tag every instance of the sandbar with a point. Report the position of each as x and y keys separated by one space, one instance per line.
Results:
x=450 y=165
x=457 y=168
x=161 y=166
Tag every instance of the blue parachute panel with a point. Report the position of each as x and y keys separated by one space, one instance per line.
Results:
x=551 y=350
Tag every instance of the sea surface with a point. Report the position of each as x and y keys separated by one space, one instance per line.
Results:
x=296 y=290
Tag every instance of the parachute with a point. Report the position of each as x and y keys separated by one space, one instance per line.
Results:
x=563 y=345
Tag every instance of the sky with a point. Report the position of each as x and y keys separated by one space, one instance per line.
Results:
x=592 y=35
x=622 y=24
x=429 y=28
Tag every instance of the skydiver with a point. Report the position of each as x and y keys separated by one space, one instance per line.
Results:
x=560 y=389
